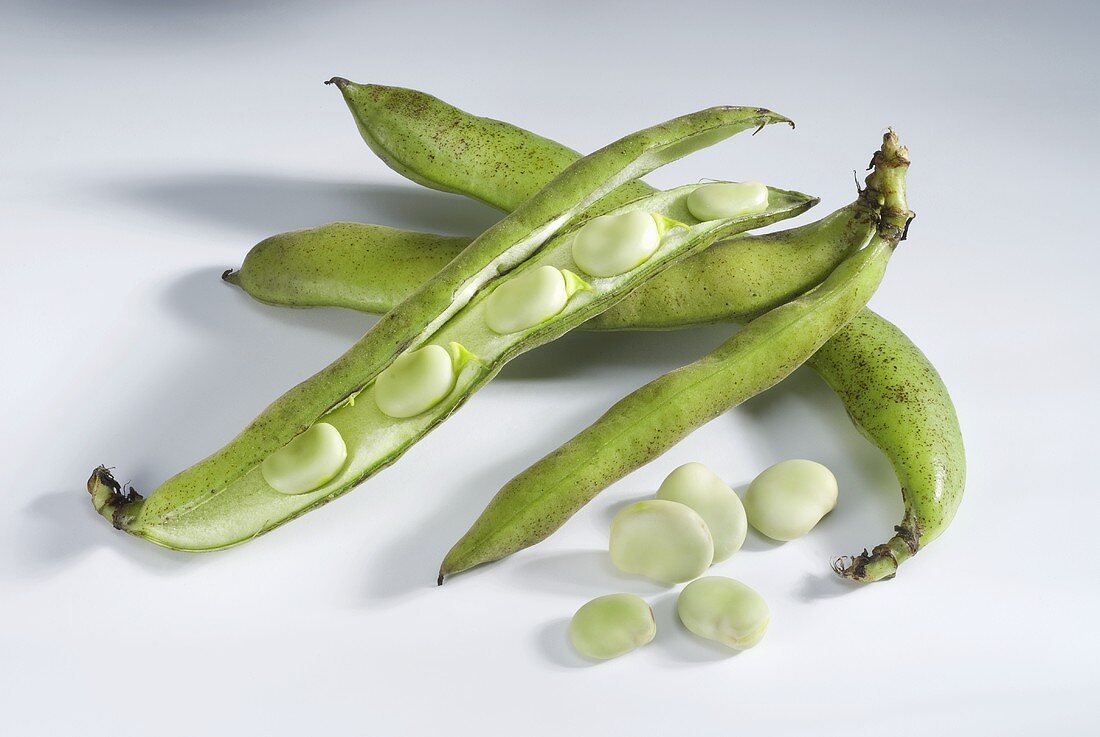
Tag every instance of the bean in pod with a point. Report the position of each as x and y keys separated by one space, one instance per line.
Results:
x=530 y=299
x=727 y=200
x=308 y=461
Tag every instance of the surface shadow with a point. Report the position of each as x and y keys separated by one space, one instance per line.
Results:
x=610 y=511
x=579 y=574
x=263 y=204
x=755 y=542
x=590 y=352
x=61 y=528
x=552 y=641
x=817 y=586
x=676 y=644
x=411 y=561
x=408 y=564
x=176 y=410
x=203 y=299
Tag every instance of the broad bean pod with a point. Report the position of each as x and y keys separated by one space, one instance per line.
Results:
x=372 y=268
x=223 y=500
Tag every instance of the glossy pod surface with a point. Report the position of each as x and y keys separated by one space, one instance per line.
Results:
x=223 y=500
x=435 y=144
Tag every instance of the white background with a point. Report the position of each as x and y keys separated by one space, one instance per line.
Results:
x=144 y=147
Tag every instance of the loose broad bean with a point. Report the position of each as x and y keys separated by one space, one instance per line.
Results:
x=307 y=462
x=700 y=488
x=727 y=199
x=530 y=299
x=725 y=611
x=612 y=625
x=787 y=500
x=223 y=500
x=666 y=541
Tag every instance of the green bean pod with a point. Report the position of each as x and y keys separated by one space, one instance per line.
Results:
x=372 y=268
x=224 y=500
x=899 y=402
x=929 y=462
x=652 y=419
x=439 y=146
x=369 y=268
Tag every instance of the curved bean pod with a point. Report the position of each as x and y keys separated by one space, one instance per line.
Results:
x=898 y=401
x=652 y=419
x=221 y=501
x=928 y=459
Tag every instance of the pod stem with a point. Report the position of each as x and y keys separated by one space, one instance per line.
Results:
x=117 y=503
x=885 y=188
x=882 y=562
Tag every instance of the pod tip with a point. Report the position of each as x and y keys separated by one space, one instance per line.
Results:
x=111 y=499
x=439 y=581
x=769 y=118
x=339 y=82
x=881 y=563
x=232 y=276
